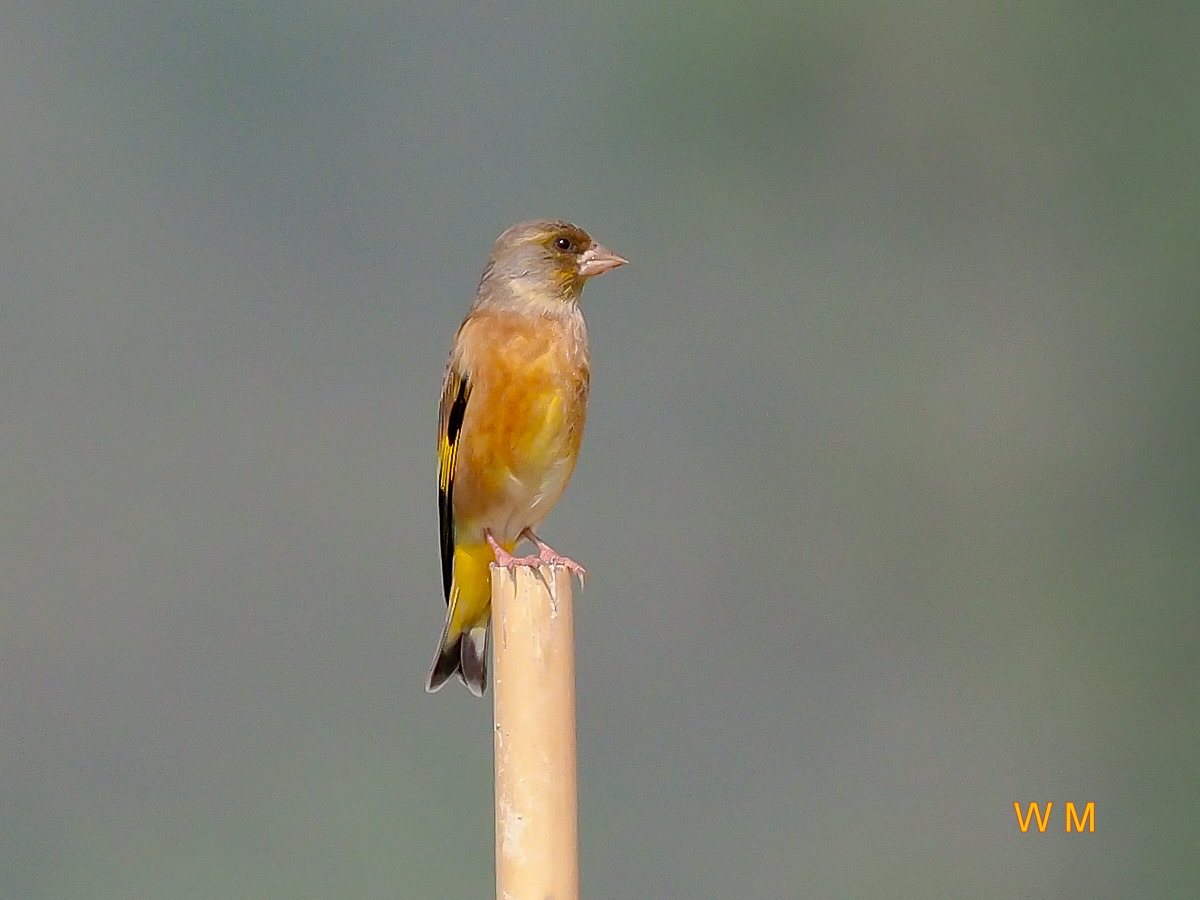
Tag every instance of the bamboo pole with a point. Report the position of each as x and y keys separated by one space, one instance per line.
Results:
x=537 y=834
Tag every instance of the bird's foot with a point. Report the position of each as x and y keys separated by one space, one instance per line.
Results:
x=551 y=557
x=506 y=560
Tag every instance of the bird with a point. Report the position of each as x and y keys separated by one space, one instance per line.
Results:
x=514 y=400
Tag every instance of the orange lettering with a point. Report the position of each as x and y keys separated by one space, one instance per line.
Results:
x=1042 y=821
x=1089 y=816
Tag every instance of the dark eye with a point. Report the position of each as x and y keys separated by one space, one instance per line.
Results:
x=563 y=243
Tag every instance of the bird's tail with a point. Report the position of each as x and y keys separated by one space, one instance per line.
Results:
x=464 y=656
x=463 y=648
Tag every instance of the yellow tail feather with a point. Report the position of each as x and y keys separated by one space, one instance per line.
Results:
x=463 y=647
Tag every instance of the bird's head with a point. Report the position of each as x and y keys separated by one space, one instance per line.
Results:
x=550 y=257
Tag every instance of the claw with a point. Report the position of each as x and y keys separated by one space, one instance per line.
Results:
x=546 y=556
x=551 y=557
x=506 y=560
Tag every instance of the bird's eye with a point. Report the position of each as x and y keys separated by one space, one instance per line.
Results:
x=563 y=243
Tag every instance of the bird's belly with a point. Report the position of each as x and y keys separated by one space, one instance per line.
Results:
x=515 y=468
x=525 y=502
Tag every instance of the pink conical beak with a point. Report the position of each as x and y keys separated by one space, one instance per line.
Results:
x=598 y=259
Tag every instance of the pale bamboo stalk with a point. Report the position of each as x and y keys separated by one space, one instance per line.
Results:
x=537 y=832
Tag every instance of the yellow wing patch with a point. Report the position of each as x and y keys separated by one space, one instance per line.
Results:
x=455 y=392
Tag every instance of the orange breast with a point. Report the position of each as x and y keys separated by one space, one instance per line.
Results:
x=524 y=421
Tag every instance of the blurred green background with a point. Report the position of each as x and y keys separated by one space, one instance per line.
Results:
x=890 y=493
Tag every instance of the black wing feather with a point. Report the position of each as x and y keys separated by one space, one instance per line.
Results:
x=454 y=407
